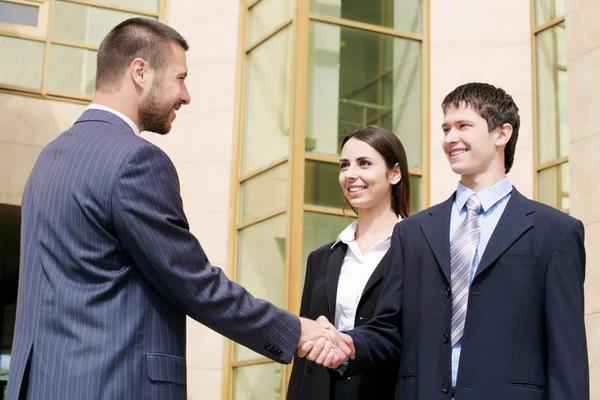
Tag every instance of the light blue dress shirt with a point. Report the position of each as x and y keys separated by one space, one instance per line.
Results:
x=493 y=202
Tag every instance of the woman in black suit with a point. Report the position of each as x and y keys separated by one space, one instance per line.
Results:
x=344 y=278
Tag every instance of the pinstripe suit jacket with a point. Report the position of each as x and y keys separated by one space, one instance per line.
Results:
x=109 y=271
x=524 y=333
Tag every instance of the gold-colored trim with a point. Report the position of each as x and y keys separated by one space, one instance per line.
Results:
x=551 y=164
x=6 y=30
x=131 y=10
x=328 y=210
x=264 y=168
x=322 y=158
x=163 y=12
x=269 y=35
x=76 y=45
x=70 y=95
x=248 y=363
x=547 y=25
x=365 y=27
x=10 y=88
x=227 y=377
x=252 y=4
x=416 y=172
x=46 y=61
x=534 y=108
x=262 y=218
x=425 y=109
x=26 y=92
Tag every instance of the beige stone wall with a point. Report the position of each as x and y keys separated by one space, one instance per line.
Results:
x=26 y=126
x=200 y=145
x=583 y=48
x=488 y=42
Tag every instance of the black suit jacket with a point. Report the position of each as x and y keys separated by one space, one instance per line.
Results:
x=311 y=381
x=524 y=335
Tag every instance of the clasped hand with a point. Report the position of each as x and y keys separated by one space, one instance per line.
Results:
x=322 y=343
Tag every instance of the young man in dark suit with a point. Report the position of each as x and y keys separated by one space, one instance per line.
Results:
x=483 y=295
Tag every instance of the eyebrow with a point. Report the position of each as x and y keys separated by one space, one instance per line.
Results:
x=363 y=158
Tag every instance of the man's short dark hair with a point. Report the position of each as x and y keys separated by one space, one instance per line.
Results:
x=492 y=104
x=134 y=38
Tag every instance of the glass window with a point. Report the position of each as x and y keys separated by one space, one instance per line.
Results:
x=359 y=78
x=402 y=15
x=321 y=184
x=548 y=10
x=264 y=193
x=267 y=102
x=553 y=186
x=71 y=70
x=261 y=265
x=18 y=14
x=262 y=381
x=146 y=5
x=8 y=326
x=85 y=24
x=265 y=16
x=415 y=195
x=26 y=62
x=552 y=103
x=320 y=229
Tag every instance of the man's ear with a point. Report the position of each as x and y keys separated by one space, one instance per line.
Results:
x=139 y=72
x=395 y=174
x=504 y=134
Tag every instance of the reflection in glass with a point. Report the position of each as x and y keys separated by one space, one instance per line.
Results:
x=321 y=185
x=18 y=14
x=72 y=70
x=415 y=189
x=267 y=102
x=26 y=62
x=552 y=103
x=265 y=16
x=146 y=5
x=261 y=265
x=553 y=186
x=264 y=193
x=359 y=78
x=319 y=230
x=401 y=15
x=548 y=10
x=257 y=382
x=84 y=24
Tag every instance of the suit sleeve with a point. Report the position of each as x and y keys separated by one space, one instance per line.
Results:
x=378 y=343
x=150 y=222
x=568 y=373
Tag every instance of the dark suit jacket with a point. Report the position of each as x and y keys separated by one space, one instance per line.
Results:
x=524 y=335
x=109 y=270
x=311 y=381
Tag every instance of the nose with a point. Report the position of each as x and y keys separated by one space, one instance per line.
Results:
x=350 y=173
x=185 y=96
x=451 y=137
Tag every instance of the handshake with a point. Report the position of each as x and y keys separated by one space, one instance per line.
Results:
x=322 y=343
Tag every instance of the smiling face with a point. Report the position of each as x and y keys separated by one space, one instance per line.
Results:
x=364 y=176
x=473 y=151
x=167 y=95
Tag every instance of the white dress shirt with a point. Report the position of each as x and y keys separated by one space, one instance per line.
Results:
x=133 y=126
x=356 y=270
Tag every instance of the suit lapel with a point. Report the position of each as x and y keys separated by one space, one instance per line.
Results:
x=375 y=277
x=437 y=232
x=334 y=266
x=516 y=219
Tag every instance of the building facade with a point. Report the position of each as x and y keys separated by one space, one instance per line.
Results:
x=275 y=85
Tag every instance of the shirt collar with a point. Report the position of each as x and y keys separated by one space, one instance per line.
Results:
x=133 y=126
x=347 y=235
x=488 y=197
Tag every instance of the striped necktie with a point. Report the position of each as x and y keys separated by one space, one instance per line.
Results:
x=462 y=250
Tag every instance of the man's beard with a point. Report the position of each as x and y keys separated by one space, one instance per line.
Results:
x=155 y=116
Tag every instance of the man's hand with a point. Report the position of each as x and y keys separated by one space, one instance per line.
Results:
x=324 y=344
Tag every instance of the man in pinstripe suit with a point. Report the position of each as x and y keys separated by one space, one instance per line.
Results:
x=109 y=269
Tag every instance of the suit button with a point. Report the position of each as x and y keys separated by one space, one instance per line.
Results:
x=448 y=292
x=308 y=369
x=280 y=353
x=445 y=338
x=267 y=346
x=445 y=388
